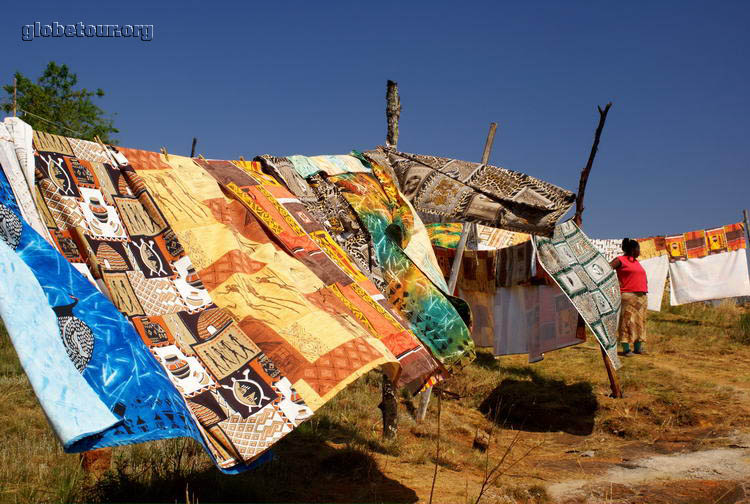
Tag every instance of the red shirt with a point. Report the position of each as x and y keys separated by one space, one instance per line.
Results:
x=631 y=275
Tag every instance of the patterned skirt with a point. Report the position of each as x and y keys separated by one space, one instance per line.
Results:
x=633 y=317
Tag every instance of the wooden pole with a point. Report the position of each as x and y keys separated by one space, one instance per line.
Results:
x=392 y=113
x=192 y=149
x=388 y=404
x=589 y=164
x=614 y=381
x=15 y=89
x=456 y=266
x=424 y=400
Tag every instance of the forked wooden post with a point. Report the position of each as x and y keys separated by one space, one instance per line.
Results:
x=614 y=381
x=424 y=399
x=388 y=405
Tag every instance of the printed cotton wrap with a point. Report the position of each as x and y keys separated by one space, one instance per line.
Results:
x=451 y=190
x=399 y=242
x=586 y=277
x=68 y=327
x=100 y=213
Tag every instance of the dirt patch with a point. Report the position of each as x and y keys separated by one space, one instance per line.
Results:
x=721 y=464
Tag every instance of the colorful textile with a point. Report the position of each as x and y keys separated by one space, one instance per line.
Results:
x=717 y=276
x=656 y=274
x=633 y=317
x=445 y=234
x=530 y=319
x=459 y=191
x=330 y=165
x=485 y=270
x=390 y=223
x=433 y=318
x=586 y=278
x=70 y=404
x=102 y=214
x=500 y=238
x=324 y=202
x=705 y=242
x=98 y=342
x=654 y=246
x=610 y=249
x=305 y=239
x=319 y=343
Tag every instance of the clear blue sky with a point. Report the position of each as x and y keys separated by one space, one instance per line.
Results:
x=309 y=78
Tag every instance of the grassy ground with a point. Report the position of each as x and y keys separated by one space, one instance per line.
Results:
x=551 y=421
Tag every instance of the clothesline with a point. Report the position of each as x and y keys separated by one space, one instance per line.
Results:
x=51 y=121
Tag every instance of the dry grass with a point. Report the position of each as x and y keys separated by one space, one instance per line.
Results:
x=686 y=394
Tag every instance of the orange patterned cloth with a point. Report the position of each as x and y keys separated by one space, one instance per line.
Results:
x=705 y=242
x=306 y=326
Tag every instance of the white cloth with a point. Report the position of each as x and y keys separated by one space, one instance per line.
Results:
x=19 y=183
x=656 y=274
x=23 y=143
x=716 y=276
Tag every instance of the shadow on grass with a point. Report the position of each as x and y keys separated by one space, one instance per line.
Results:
x=303 y=470
x=542 y=405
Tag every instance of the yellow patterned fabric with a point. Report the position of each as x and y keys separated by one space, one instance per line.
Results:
x=288 y=311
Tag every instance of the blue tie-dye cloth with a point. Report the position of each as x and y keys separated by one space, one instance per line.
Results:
x=71 y=405
x=98 y=342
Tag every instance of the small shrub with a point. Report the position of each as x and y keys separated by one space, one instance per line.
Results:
x=741 y=333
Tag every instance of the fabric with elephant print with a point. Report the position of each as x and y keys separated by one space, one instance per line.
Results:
x=101 y=215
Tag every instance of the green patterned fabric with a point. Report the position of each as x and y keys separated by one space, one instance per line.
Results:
x=586 y=278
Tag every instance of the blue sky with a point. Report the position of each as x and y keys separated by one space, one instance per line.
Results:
x=309 y=78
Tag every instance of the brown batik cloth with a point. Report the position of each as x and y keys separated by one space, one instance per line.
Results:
x=450 y=190
x=633 y=317
x=324 y=201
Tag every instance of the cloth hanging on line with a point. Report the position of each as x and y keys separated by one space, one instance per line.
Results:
x=274 y=298
x=102 y=214
x=705 y=242
x=325 y=203
x=451 y=190
x=96 y=340
x=71 y=405
x=307 y=239
x=609 y=248
x=16 y=176
x=716 y=276
x=529 y=319
x=656 y=273
x=419 y=297
x=586 y=278
x=708 y=264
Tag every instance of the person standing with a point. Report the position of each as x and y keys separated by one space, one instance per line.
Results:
x=634 y=289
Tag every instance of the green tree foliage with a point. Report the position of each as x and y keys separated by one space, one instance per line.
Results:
x=64 y=110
